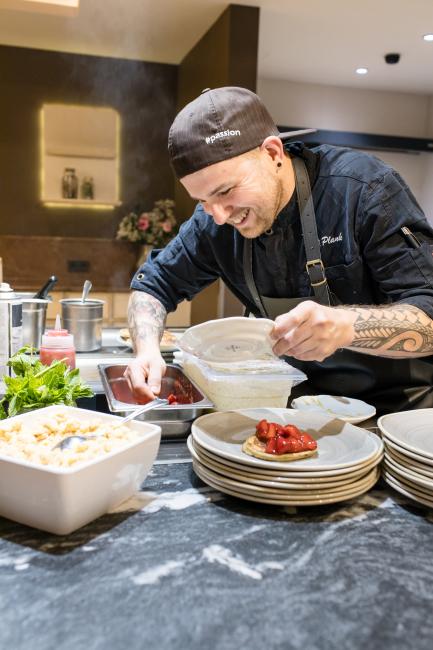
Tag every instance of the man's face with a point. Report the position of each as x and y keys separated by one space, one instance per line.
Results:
x=244 y=192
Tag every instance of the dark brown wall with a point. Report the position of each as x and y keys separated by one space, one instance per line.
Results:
x=143 y=93
x=29 y=261
x=225 y=56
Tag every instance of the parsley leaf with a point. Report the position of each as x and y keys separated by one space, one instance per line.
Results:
x=36 y=385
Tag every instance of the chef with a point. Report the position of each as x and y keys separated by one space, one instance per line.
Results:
x=328 y=242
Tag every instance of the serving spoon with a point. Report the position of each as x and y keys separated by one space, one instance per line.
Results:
x=86 y=288
x=70 y=441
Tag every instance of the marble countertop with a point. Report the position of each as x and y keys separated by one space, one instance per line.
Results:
x=182 y=566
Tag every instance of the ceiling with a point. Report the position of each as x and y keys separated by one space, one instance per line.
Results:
x=313 y=41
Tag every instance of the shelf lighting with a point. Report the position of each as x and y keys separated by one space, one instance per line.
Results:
x=79 y=204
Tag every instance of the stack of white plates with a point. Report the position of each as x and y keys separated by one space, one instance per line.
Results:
x=408 y=465
x=345 y=466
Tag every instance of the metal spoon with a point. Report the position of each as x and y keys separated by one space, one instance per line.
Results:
x=70 y=441
x=86 y=288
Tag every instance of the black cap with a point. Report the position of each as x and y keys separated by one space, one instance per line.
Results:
x=220 y=124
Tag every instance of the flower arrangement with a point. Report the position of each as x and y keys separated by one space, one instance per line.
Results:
x=153 y=228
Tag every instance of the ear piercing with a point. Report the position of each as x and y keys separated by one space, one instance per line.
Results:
x=279 y=164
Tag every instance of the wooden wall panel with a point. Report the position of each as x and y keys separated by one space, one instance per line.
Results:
x=225 y=56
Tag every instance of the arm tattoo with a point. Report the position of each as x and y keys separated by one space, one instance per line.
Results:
x=146 y=318
x=393 y=331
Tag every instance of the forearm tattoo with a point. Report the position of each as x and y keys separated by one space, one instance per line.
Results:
x=396 y=331
x=146 y=317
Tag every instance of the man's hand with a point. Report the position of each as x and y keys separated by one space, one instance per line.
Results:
x=312 y=332
x=146 y=320
x=144 y=374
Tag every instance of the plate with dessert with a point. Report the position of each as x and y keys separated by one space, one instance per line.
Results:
x=283 y=456
x=168 y=342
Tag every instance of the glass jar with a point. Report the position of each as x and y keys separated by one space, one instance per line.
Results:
x=87 y=188
x=69 y=184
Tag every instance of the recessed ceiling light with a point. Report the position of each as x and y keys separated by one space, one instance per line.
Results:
x=428 y=37
x=361 y=70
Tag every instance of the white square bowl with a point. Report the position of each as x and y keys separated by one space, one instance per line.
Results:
x=60 y=500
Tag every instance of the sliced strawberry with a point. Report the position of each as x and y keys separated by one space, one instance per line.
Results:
x=262 y=430
x=283 y=446
x=308 y=441
x=310 y=444
x=271 y=446
x=290 y=430
x=172 y=399
x=272 y=430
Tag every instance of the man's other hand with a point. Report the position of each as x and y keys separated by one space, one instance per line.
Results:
x=312 y=332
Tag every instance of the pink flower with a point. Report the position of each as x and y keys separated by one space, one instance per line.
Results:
x=143 y=222
x=167 y=226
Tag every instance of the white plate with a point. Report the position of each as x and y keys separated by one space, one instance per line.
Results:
x=405 y=473
x=302 y=478
x=277 y=482
x=301 y=495
x=409 y=463
x=340 y=444
x=229 y=339
x=412 y=430
x=288 y=502
x=346 y=408
x=408 y=454
x=407 y=483
x=406 y=491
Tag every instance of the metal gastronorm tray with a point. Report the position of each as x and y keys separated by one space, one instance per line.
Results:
x=175 y=420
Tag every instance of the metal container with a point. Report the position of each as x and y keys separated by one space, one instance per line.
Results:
x=34 y=319
x=175 y=420
x=11 y=316
x=84 y=321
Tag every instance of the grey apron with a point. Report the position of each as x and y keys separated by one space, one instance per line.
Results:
x=389 y=384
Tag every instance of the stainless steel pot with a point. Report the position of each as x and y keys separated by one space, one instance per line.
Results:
x=84 y=321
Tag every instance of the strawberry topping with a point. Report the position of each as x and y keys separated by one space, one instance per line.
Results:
x=285 y=439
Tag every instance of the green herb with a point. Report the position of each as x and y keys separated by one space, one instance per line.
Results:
x=36 y=385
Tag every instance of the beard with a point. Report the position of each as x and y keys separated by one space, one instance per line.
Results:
x=264 y=217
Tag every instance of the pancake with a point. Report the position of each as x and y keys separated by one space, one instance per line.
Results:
x=254 y=447
x=169 y=340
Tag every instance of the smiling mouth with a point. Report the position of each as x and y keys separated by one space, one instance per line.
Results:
x=240 y=219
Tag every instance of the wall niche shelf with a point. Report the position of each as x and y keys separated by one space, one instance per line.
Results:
x=86 y=139
x=80 y=203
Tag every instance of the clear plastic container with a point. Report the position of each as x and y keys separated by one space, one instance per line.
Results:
x=250 y=384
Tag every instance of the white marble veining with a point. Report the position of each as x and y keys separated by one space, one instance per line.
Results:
x=155 y=574
x=179 y=500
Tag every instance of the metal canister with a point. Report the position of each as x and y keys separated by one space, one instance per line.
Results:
x=84 y=321
x=34 y=318
x=11 y=318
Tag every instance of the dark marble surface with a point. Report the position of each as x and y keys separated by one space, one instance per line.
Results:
x=182 y=566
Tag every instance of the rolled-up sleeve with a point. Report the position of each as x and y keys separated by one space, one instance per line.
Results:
x=402 y=272
x=181 y=269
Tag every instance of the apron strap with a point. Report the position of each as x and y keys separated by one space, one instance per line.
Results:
x=249 y=278
x=314 y=265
